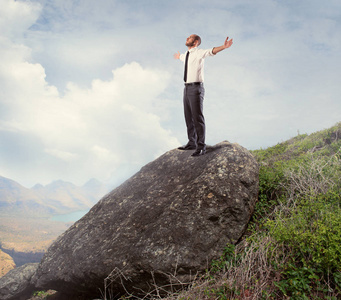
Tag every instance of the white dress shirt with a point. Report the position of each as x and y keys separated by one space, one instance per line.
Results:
x=195 y=71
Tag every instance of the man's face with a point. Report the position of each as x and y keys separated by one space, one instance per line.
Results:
x=190 y=42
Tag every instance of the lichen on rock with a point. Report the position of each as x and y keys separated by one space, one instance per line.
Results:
x=172 y=217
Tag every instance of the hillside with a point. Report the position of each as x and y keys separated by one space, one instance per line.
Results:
x=6 y=263
x=322 y=143
x=291 y=249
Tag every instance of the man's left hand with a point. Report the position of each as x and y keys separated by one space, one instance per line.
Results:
x=228 y=43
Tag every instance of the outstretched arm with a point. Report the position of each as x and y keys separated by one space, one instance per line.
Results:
x=228 y=43
x=177 y=55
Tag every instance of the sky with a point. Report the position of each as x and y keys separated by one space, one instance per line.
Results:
x=90 y=89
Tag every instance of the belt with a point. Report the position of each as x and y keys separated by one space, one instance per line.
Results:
x=193 y=83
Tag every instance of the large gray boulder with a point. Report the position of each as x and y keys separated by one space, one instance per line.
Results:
x=16 y=284
x=171 y=219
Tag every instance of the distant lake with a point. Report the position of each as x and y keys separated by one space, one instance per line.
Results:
x=71 y=217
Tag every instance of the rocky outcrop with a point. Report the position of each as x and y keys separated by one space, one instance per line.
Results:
x=16 y=284
x=173 y=217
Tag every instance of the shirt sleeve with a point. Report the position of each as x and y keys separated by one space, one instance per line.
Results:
x=182 y=57
x=207 y=52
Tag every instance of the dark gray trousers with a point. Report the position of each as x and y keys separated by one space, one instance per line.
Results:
x=195 y=121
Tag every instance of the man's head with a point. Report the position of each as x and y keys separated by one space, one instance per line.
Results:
x=193 y=41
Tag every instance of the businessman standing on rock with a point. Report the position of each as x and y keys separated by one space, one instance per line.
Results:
x=194 y=91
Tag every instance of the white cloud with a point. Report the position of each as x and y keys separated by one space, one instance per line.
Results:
x=84 y=85
x=109 y=124
x=17 y=16
x=62 y=155
x=94 y=130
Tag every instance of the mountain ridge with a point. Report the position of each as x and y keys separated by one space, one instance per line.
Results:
x=57 y=197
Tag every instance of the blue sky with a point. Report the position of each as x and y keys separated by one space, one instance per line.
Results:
x=91 y=89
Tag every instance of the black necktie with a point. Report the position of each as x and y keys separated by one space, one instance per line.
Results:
x=186 y=66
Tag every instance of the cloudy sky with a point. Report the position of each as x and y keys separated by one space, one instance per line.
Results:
x=90 y=89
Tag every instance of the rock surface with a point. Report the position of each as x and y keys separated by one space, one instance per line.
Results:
x=16 y=284
x=173 y=217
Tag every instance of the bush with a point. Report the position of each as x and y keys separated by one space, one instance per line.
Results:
x=308 y=225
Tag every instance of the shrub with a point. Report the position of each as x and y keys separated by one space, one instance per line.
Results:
x=308 y=225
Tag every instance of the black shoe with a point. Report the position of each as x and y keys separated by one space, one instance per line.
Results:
x=199 y=152
x=187 y=147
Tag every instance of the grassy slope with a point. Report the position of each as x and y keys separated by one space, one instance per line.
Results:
x=300 y=150
x=291 y=249
x=325 y=142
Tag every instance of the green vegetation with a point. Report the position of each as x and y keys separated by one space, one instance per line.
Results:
x=292 y=247
x=40 y=294
x=43 y=295
x=296 y=227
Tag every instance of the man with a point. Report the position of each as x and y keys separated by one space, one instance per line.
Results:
x=194 y=91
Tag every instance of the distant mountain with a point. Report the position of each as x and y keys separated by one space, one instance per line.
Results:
x=64 y=196
x=12 y=192
x=15 y=196
x=94 y=188
x=57 y=197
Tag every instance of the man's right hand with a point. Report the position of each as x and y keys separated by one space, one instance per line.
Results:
x=177 y=55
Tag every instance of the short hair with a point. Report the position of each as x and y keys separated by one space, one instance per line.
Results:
x=197 y=38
